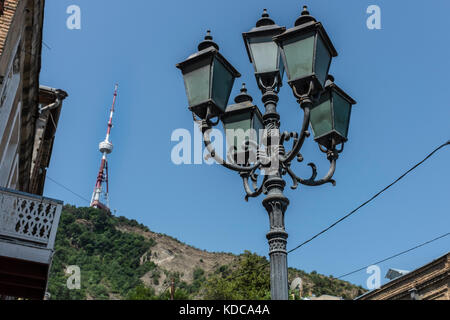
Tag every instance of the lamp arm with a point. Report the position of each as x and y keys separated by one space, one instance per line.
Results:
x=299 y=139
x=205 y=128
x=305 y=99
x=256 y=191
x=312 y=180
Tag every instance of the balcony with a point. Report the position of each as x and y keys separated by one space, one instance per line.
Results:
x=28 y=225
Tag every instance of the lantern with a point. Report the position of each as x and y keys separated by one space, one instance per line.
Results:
x=263 y=52
x=307 y=52
x=242 y=122
x=208 y=79
x=330 y=115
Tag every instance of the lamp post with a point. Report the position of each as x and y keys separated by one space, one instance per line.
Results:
x=305 y=52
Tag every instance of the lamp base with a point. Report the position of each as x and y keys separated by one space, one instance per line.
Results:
x=207 y=110
x=330 y=140
x=306 y=86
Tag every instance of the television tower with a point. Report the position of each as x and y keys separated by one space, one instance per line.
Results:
x=105 y=148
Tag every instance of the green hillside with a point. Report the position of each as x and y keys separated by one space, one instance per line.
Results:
x=122 y=259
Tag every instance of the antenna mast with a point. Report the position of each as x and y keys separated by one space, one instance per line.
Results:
x=105 y=147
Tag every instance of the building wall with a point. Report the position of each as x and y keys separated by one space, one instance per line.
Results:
x=20 y=62
x=10 y=106
x=31 y=66
x=9 y=10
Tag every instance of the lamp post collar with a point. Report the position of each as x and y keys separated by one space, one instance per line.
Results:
x=207 y=42
x=304 y=17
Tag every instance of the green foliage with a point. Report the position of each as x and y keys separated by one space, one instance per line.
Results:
x=248 y=281
x=180 y=294
x=141 y=292
x=111 y=267
x=109 y=259
x=317 y=284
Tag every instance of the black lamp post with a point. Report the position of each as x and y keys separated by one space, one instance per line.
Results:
x=305 y=51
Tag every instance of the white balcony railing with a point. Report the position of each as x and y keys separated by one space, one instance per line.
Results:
x=29 y=218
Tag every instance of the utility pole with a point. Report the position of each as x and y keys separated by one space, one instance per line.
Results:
x=172 y=289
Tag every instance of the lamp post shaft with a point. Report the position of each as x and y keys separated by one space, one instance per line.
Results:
x=275 y=203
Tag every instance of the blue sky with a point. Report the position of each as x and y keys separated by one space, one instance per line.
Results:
x=398 y=75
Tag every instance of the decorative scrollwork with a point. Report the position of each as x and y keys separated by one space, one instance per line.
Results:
x=255 y=191
x=206 y=128
x=299 y=139
x=248 y=170
x=312 y=180
x=27 y=217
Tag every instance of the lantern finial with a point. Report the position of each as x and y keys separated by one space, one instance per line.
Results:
x=265 y=20
x=330 y=80
x=305 y=11
x=243 y=96
x=304 y=17
x=208 y=42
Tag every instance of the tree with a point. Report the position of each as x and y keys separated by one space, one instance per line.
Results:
x=141 y=292
x=249 y=281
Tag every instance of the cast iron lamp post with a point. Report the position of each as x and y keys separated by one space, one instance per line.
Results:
x=305 y=51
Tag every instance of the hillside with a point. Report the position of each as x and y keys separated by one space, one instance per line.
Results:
x=122 y=259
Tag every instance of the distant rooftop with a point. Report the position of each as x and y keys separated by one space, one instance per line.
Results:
x=395 y=273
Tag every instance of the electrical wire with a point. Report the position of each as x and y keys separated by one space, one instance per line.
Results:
x=371 y=199
x=46 y=45
x=68 y=189
x=395 y=255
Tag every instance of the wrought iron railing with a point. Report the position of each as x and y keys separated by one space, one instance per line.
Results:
x=29 y=217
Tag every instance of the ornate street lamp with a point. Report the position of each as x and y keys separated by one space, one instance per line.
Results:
x=307 y=51
x=208 y=78
x=330 y=115
x=263 y=52
x=242 y=122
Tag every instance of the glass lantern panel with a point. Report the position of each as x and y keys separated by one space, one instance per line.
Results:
x=342 y=110
x=265 y=54
x=197 y=84
x=323 y=59
x=258 y=126
x=237 y=130
x=280 y=64
x=222 y=84
x=321 y=116
x=299 y=56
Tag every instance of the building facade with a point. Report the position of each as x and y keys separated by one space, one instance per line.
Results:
x=429 y=282
x=29 y=114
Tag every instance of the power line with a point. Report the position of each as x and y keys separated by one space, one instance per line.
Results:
x=355 y=210
x=73 y=192
x=395 y=255
x=371 y=199
x=46 y=45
